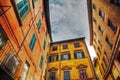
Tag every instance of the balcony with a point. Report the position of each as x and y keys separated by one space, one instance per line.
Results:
x=9 y=62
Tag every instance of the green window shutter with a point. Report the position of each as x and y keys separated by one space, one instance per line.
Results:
x=62 y=57
x=32 y=42
x=41 y=62
x=39 y=24
x=23 y=8
x=83 y=55
x=35 y=1
x=75 y=55
x=50 y=58
x=44 y=45
x=69 y=56
x=56 y=57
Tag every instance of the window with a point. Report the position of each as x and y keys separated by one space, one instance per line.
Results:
x=118 y=78
x=109 y=42
x=83 y=74
x=66 y=75
x=106 y=56
x=102 y=14
x=53 y=58
x=76 y=45
x=118 y=58
x=100 y=29
x=52 y=76
x=99 y=50
x=39 y=24
x=23 y=7
x=94 y=6
x=54 y=48
x=79 y=54
x=32 y=42
x=43 y=14
x=112 y=26
x=44 y=45
x=116 y=2
x=35 y=1
x=65 y=46
x=25 y=71
x=94 y=20
x=3 y=37
x=65 y=56
x=41 y=62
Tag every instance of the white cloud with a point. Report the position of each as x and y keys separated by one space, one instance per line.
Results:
x=69 y=19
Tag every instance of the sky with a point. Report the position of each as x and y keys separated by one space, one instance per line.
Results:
x=69 y=20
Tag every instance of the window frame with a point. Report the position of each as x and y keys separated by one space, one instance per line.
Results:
x=65 y=56
x=65 y=46
x=52 y=75
x=68 y=75
x=76 y=44
x=80 y=53
x=41 y=62
x=54 y=48
x=83 y=73
x=102 y=14
x=53 y=58
x=112 y=26
x=32 y=42
x=22 y=8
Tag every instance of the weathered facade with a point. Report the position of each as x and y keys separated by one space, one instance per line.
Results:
x=69 y=60
x=24 y=38
x=105 y=36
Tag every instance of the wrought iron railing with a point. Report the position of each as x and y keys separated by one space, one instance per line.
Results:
x=9 y=61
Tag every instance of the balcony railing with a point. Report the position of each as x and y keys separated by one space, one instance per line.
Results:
x=9 y=61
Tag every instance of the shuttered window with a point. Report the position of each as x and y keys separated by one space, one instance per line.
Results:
x=65 y=56
x=23 y=7
x=44 y=45
x=52 y=76
x=53 y=58
x=41 y=62
x=32 y=42
x=78 y=55
x=66 y=75
x=39 y=24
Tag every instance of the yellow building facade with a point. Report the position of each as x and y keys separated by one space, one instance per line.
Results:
x=69 y=60
x=24 y=39
x=105 y=37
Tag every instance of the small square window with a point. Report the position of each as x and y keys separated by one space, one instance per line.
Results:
x=102 y=14
x=65 y=46
x=112 y=26
x=76 y=45
x=116 y=2
x=54 y=48
x=94 y=6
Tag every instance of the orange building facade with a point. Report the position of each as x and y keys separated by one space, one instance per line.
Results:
x=24 y=39
x=105 y=37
